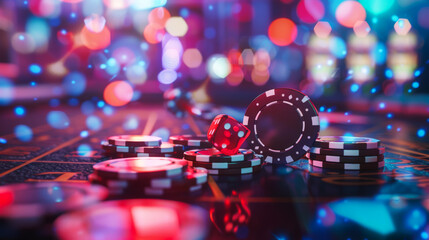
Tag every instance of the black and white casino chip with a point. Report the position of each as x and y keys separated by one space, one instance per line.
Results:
x=345 y=142
x=284 y=125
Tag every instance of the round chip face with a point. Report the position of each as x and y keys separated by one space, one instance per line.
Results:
x=214 y=155
x=134 y=219
x=284 y=124
x=344 y=142
x=144 y=167
x=191 y=141
x=235 y=171
x=346 y=159
x=38 y=200
x=165 y=147
x=191 y=177
x=348 y=152
x=225 y=165
x=347 y=166
x=135 y=140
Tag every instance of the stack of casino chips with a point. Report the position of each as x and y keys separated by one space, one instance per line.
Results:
x=124 y=146
x=216 y=163
x=149 y=177
x=190 y=142
x=346 y=153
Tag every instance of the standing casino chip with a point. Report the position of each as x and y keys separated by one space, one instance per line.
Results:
x=345 y=142
x=284 y=125
x=135 y=140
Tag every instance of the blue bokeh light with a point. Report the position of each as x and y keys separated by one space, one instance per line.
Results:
x=23 y=133
x=58 y=119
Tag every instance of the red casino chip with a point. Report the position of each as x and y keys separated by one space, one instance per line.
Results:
x=144 y=167
x=135 y=140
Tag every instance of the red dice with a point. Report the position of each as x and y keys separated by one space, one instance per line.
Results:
x=227 y=134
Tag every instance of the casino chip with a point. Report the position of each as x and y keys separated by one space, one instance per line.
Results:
x=214 y=155
x=134 y=219
x=235 y=171
x=191 y=141
x=190 y=177
x=347 y=166
x=284 y=125
x=135 y=140
x=225 y=165
x=142 y=167
x=348 y=152
x=165 y=147
x=344 y=142
x=345 y=159
x=133 y=155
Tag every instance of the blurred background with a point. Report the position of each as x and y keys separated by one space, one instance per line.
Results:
x=366 y=55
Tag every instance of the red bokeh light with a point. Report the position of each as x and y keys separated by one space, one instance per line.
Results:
x=350 y=12
x=118 y=93
x=282 y=31
x=93 y=40
x=152 y=34
x=158 y=17
x=310 y=11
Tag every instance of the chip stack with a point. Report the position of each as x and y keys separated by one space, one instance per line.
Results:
x=347 y=153
x=125 y=146
x=216 y=163
x=191 y=142
x=149 y=177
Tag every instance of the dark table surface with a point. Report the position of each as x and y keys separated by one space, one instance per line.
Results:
x=287 y=202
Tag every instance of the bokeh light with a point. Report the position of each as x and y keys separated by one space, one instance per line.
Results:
x=218 y=66
x=136 y=74
x=58 y=119
x=423 y=17
x=349 y=12
x=158 y=17
x=176 y=26
x=95 y=23
x=23 y=133
x=282 y=31
x=310 y=11
x=402 y=26
x=74 y=83
x=361 y=28
x=117 y=4
x=95 y=40
x=6 y=91
x=118 y=93
x=23 y=43
x=322 y=29
x=167 y=76
x=93 y=123
x=153 y=34
x=192 y=58
x=377 y=6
